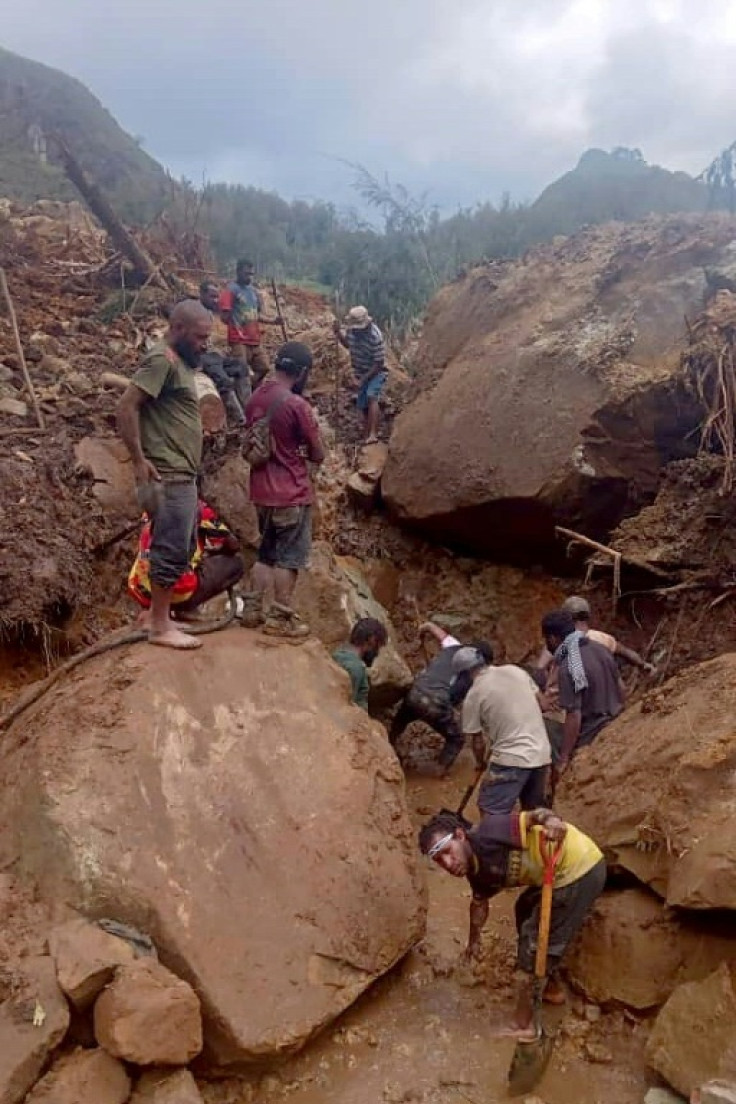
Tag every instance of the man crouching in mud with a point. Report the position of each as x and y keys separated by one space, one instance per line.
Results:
x=504 y=852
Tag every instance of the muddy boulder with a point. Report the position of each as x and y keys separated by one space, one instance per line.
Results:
x=634 y=951
x=332 y=596
x=235 y=806
x=549 y=390
x=669 y=761
x=694 y=1036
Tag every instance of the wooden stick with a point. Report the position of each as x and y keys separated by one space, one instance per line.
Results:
x=578 y=538
x=19 y=349
x=279 y=315
x=30 y=430
x=337 y=371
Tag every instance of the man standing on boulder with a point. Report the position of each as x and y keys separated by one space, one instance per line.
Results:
x=503 y=718
x=159 y=422
x=282 y=491
x=364 y=341
x=591 y=692
x=241 y=307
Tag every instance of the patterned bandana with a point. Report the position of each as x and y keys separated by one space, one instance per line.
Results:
x=570 y=650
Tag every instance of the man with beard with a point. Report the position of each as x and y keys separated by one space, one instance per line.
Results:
x=159 y=423
x=366 y=640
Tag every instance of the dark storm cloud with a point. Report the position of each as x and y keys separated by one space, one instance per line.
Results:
x=466 y=98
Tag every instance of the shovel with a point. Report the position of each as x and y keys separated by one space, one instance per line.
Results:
x=531 y=1059
x=467 y=795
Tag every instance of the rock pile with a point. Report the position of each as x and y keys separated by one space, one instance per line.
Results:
x=669 y=761
x=136 y=1015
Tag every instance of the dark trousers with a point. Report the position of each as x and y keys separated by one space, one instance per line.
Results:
x=434 y=710
x=172 y=531
x=217 y=573
x=504 y=786
x=570 y=906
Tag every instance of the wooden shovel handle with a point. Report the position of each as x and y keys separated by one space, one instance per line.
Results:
x=551 y=858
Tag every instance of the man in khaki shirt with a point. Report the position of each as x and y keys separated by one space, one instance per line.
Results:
x=502 y=716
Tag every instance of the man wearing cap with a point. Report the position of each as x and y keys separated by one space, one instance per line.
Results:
x=579 y=609
x=364 y=341
x=282 y=492
x=591 y=692
x=503 y=718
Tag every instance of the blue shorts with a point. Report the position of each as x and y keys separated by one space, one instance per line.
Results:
x=371 y=389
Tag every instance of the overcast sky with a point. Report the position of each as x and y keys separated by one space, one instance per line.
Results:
x=464 y=98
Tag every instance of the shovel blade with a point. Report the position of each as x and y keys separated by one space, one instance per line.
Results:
x=529 y=1063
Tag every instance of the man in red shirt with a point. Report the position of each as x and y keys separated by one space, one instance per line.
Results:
x=241 y=307
x=282 y=492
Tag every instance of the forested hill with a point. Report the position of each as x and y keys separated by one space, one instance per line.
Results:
x=37 y=102
x=392 y=255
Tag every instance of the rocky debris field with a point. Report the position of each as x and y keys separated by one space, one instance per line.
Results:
x=207 y=860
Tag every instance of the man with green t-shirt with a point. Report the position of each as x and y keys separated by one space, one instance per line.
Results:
x=159 y=423
x=366 y=640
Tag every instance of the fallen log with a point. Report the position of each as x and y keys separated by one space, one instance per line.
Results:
x=100 y=207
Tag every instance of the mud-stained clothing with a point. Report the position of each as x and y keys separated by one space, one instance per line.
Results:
x=350 y=661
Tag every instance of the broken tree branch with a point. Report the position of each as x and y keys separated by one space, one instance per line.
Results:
x=19 y=349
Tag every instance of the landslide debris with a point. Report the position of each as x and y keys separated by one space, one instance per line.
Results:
x=551 y=390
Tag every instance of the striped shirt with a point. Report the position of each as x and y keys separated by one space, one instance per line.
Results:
x=366 y=349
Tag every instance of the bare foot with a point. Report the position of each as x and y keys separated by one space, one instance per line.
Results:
x=174 y=638
x=513 y=1031
x=144 y=619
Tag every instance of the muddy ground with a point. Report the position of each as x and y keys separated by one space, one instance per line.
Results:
x=423 y=1035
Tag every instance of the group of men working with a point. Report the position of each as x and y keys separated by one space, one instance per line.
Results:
x=521 y=744
x=521 y=748
x=179 y=566
x=520 y=723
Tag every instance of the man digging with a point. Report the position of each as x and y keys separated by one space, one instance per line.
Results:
x=159 y=423
x=506 y=852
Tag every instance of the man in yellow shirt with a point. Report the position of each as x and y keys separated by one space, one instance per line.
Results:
x=506 y=852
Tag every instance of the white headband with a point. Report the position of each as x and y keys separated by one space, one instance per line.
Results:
x=438 y=847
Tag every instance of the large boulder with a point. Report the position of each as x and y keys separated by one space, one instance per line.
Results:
x=235 y=806
x=694 y=1036
x=635 y=952
x=670 y=762
x=550 y=389
x=332 y=596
